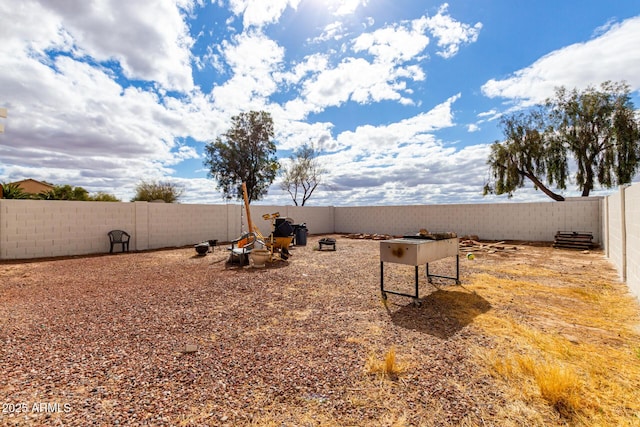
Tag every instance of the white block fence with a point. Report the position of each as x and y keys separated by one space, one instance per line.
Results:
x=39 y=228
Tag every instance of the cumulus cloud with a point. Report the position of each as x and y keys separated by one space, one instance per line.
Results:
x=392 y=44
x=257 y=13
x=611 y=56
x=378 y=66
x=251 y=58
x=104 y=31
x=405 y=160
x=333 y=31
x=72 y=120
x=450 y=33
x=347 y=7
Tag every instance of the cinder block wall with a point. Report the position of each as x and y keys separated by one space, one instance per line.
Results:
x=39 y=228
x=632 y=223
x=318 y=219
x=614 y=237
x=180 y=225
x=35 y=228
x=503 y=221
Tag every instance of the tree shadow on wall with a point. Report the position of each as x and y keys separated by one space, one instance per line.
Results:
x=442 y=313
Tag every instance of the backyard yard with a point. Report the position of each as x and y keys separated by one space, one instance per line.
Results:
x=533 y=336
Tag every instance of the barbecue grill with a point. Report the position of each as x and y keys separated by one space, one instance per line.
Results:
x=416 y=251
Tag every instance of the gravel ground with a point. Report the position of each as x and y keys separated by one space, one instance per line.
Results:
x=168 y=338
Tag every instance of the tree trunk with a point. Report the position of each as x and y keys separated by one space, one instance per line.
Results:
x=541 y=186
x=589 y=176
x=588 y=184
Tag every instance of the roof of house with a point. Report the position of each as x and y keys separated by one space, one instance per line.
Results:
x=26 y=183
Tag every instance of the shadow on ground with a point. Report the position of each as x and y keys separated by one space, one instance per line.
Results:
x=442 y=313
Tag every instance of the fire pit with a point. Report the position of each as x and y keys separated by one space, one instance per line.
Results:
x=417 y=250
x=202 y=248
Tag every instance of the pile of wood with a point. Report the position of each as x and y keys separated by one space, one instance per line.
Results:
x=573 y=240
x=425 y=234
x=473 y=245
x=368 y=236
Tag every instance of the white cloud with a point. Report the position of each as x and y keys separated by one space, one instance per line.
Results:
x=449 y=32
x=312 y=65
x=354 y=79
x=347 y=7
x=393 y=44
x=395 y=49
x=74 y=117
x=291 y=134
x=418 y=130
x=72 y=122
x=104 y=31
x=252 y=58
x=333 y=31
x=612 y=56
x=258 y=13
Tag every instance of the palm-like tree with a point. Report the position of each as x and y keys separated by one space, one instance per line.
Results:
x=13 y=191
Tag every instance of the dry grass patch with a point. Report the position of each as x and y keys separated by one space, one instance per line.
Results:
x=388 y=367
x=566 y=340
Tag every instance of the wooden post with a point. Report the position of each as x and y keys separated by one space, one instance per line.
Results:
x=246 y=206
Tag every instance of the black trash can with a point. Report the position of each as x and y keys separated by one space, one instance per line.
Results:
x=301 y=235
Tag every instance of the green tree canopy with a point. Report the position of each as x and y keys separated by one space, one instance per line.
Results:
x=598 y=129
x=302 y=175
x=526 y=153
x=158 y=190
x=601 y=131
x=65 y=192
x=103 y=197
x=245 y=153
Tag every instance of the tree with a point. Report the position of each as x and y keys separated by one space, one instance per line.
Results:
x=526 y=153
x=600 y=129
x=65 y=192
x=303 y=174
x=597 y=128
x=158 y=190
x=13 y=191
x=103 y=197
x=245 y=153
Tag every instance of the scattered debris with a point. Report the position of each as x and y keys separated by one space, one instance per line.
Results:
x=363 y=236
x=424 y=234
x=472 y=245
x=468 y=243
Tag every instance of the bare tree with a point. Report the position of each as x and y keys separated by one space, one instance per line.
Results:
x=302 y=175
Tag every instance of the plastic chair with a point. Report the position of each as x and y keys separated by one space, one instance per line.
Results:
x=119 y=237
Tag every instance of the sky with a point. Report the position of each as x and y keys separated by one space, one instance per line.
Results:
x=402 y=98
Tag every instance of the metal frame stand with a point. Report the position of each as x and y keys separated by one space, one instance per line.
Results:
x=415 y=295
x=457 y=278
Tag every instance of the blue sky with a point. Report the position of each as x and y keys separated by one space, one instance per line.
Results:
x=402 y=97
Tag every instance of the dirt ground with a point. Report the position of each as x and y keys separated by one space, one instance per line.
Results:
x=169 y=338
